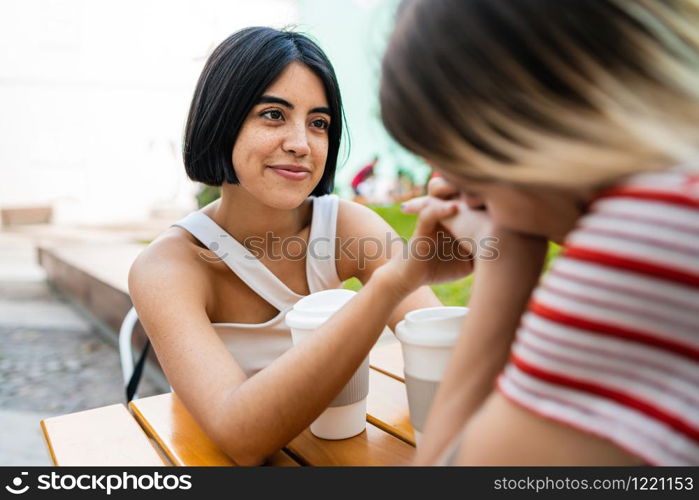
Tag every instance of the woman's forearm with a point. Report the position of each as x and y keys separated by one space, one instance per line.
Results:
x=268 y=410
x=501 y=291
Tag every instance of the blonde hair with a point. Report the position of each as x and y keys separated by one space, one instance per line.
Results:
x=568 y=93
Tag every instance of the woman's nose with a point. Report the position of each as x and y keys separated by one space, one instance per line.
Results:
x=296 y=141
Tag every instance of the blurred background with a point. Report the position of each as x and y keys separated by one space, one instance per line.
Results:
x=94 y=95
x=93 y=100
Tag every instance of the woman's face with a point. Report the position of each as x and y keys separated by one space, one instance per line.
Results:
x=279 y=155
x=546 y=212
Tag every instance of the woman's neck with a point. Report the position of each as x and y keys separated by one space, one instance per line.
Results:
x=243 y=216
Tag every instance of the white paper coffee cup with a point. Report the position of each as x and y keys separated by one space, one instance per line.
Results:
x=427 y=338
x=346 y=414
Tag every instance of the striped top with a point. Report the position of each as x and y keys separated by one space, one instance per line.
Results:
x=610 y=343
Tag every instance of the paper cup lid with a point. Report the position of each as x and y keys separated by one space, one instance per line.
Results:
x=313 y=310
x=432 y=326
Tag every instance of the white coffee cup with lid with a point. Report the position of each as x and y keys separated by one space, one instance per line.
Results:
x=427 y=338
x=346 y=414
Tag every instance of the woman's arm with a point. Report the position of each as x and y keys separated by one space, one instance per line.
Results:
x=497 y=431
x=251 y=418
x=367 y=242
x=501 y=290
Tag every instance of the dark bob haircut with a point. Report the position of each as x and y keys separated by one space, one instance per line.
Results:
x=232 y=81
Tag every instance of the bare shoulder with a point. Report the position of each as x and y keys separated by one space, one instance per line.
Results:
x=364 y=241
x=356 y=220
x=172 y=263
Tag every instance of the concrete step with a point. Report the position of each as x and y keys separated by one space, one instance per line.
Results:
x=94 y=277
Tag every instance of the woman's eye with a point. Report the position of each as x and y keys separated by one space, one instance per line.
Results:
x=273 y=114
x=320 y=123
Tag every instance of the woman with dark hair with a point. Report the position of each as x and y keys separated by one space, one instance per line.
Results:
x=265 y=124
x=576 y=122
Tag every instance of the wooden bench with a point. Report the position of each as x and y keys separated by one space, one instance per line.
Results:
x=160 y=431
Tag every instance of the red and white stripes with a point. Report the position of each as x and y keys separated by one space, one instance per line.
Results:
x=610 y=343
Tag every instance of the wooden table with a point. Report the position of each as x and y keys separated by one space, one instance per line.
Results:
x=159 y=431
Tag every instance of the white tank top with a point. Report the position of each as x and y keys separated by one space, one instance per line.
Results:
x=255 y=346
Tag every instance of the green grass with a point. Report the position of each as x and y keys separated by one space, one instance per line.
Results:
x=455 y=293
x=403 y=224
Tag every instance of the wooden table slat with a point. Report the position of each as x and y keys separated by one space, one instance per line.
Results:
x=111 y=435
x=389 y=360
x=371 y=447
x=107 y=436
x=387 y=406
x=169 y=423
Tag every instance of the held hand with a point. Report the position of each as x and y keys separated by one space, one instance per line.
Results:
x=433 y=254
x=475 y=226
x=479 y=240
x=471 y=227
x=437 y=187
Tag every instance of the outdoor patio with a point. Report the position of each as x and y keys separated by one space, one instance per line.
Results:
x=54 y=360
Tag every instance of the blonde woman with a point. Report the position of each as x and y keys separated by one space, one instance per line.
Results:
x=572 y=121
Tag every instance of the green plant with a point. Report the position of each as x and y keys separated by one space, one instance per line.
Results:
x=207 y=194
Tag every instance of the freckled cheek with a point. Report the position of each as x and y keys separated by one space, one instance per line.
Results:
x=266 y=141
x=320 y=152
x=255 y=146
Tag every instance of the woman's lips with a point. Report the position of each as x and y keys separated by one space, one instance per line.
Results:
x=291 y=174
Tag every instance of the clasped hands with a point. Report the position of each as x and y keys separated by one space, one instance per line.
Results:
x=450 y=239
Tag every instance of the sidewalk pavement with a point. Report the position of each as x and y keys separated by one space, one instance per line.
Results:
x=52 y=360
